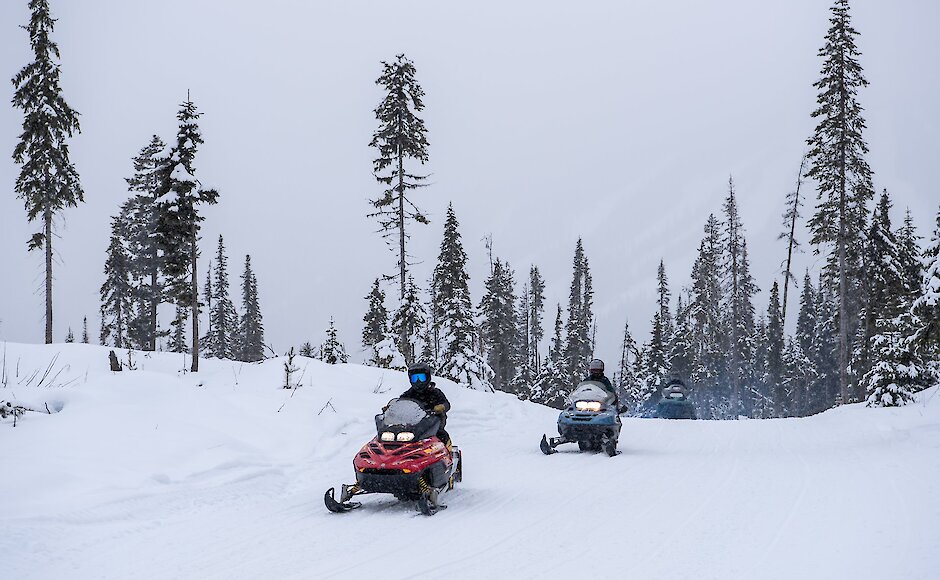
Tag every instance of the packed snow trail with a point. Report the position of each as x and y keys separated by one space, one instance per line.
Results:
x=156 y=473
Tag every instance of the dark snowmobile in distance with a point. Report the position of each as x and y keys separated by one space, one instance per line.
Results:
x=675 y=404
x=591 y=420
x=405 y=459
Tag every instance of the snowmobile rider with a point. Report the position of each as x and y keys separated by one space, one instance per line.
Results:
x=425 y=392
x=596 y=373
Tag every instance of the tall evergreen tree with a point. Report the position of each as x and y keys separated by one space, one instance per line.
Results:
x=898 y=370
x=70 y=337
x=681 y=351
x=628 y=381
x=401 y=135
x=223 y=340
x=775 y=341
x=375 y=329
x=251 y=326
x=117 y=290
x=85 y=330
x=552 y=386
x=739 y=309
x=144 y=243
x=805 y=339
x=926 y=309
x=825 y=353
x=179 y=194
x=48 y=181
x=536 y=308
x=884 y=293
x=578 y=348
x=524 y=358
x=705 y=310
x=843 y=177
x=408 y=323
x=500 y=332
x=453 y=312
x=909 y=257
x=657 y=351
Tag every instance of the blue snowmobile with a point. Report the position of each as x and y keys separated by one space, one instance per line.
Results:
x=591 y=420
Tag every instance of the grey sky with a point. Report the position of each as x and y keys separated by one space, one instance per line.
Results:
x=615 y=121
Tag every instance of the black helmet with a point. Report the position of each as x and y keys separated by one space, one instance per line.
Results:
x=675 y=379
x=596 y=367
x=419 y=375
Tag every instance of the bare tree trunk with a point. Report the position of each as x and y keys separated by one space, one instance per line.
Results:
x=195 y=304
x=403 y=332
x=788 y=274
x=47 y=218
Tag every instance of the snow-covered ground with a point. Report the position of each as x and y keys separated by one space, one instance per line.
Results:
x=157 y=473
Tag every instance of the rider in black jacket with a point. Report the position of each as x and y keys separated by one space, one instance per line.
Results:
x=596 y=373
x=428 y=395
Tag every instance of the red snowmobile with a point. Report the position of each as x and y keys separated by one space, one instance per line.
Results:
x=405 y=459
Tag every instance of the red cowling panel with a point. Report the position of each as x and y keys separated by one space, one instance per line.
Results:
x=412 y=457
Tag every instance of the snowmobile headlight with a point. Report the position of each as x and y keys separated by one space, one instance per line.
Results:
x=588 y=406
x=388 y=436
x=405 y=436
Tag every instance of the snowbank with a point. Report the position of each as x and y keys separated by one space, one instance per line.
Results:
x=160 y=473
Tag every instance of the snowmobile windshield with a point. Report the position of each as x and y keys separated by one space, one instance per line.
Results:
x=591 y=391
x=402 y=413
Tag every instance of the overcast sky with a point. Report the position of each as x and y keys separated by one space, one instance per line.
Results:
x=618 y=122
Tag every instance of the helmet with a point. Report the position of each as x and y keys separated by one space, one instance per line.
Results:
x=419 y=375
x=596 y=367
x=675 y=379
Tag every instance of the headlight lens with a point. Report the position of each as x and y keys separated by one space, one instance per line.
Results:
x=406 y=436
x=388 y=436
x=588 y=406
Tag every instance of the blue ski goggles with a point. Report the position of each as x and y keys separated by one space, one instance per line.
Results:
x=417 y=378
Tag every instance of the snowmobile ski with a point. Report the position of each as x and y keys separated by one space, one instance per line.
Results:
x=339 y=507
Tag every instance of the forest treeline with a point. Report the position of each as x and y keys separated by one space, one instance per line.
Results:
x=867 y=324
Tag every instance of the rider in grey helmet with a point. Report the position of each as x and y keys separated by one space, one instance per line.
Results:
x=596 y=373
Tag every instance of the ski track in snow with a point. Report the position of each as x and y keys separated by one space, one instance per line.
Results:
x=156 y=474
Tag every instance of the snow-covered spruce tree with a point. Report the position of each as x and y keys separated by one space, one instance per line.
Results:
x=223 y=339
x=578 y=347
x=774 y=366
x=657 y=351
x=144 y=244
x=307 y=350
x=401 y=136
x=375 y=328
x=536 y=309
x=453 y=312
x=909 y=257
x=116 y=291
x=333 y=352
x=791 y=215
x=85 y=330
x=177 y=334
x=803 y=359
x=208 y=292
x=48 y=181
x=407 y=324
x=70 y=337
x=709 y=390
x=627 y=381
x=884 y=294
x=825 y=392
x=179 y=194
x=739 y=290
x=522 y=353
x=499 y=329
x=551 y=387
x=926 y=309
x=758 y=391
x=251 y=325
x=681 y=353
x=898 y=370
x=843 y=177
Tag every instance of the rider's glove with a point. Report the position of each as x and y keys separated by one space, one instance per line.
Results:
x=439 y=409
